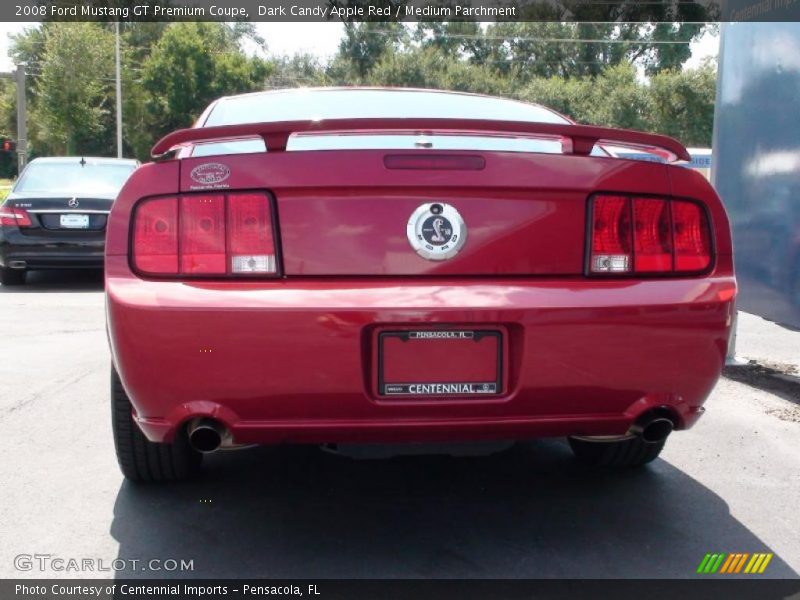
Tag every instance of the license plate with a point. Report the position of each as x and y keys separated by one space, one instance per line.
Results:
x=75 y=221
x=440 y=363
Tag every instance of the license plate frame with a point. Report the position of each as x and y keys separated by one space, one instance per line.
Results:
x=486 y=387
x=74 y=221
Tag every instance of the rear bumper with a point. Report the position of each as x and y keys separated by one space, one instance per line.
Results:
x=292 y=361
x=51 y=250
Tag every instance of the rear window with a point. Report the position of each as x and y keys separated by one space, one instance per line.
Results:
x=301 y=105
x=74 y=178
x=320 y=104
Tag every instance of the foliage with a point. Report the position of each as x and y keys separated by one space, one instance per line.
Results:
x=76 y=93
x=8 y=122
x=609 y=72
x=363 y=45
x=681 y=104
x=676 y=103
x=300 y=70
x=191 y=65
x=170 y=73
x=5 y=188
x=429 y=68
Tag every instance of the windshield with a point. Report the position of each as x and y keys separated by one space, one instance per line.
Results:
x=72 y=178
x=318 y=104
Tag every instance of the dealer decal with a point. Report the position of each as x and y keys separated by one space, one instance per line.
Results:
x=210 y=175
x=441 y=335
x=428 y=389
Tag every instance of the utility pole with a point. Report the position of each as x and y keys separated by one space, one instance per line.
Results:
x=22 y=120
x=119 y=99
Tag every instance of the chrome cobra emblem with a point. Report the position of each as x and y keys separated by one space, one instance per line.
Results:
x=437 y=237
x=436 y=231
x=73 y=203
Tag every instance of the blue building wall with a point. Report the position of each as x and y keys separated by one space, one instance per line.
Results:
x=756 y=167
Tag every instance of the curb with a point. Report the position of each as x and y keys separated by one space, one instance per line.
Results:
x=782 y=380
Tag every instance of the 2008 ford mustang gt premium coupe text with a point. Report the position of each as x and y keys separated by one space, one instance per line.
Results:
x=347 y=266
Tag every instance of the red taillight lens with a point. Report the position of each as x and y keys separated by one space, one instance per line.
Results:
x=251 y=248
x=692 y=236
x=611 y=234
x=155 y=236
x=204 y=235
x=648 y=235
x=652 y=235
x=14 y=216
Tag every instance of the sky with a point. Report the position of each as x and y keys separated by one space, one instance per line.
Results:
x=320 y=39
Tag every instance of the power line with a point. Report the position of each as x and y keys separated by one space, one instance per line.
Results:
x=37 y=75
x=509 y=38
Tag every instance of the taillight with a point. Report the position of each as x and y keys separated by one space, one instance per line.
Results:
x=648 y=235
x=611 y=235
x=692 y=237
x=201 y=235
x=14 y=216
x=251 y=247
x=155 y=236
x=652 y=235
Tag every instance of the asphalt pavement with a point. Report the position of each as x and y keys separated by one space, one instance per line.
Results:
x=730 y=484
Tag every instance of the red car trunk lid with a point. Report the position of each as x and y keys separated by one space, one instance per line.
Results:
x=345 y=212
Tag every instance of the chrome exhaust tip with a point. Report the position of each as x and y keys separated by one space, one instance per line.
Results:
x=653 y=429
x=17 y=264
x=206 y=435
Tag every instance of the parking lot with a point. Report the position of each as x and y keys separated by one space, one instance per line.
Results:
x=731 y=484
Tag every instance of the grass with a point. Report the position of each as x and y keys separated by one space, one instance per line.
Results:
x=5 y=188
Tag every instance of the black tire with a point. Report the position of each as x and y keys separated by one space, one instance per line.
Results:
x=12 y=276
x=141 y=460
x=629 y=452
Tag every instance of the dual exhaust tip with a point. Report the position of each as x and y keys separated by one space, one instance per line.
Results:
x=207 y=435
x=652 y=428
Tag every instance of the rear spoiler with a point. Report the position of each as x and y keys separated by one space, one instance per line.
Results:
x=575 y=139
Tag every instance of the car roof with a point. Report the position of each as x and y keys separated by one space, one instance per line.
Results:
x=372 y=88
x=88 y=159
x=289 y=103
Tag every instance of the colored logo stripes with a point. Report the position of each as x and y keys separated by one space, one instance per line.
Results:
x=734 y=563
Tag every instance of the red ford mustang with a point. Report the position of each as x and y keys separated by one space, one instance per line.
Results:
x=347 y=266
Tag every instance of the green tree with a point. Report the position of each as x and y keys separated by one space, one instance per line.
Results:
x=75 y=88
x=535 y=50
x=675 y=103
x=362 y=47
x=191 y=65
x=545 y=49
x=171 y=72
x=8 y=108
x=429 y=68
x=459 y=39
x=300 y=70
x=681 y=104
x=567 y=96
x=613 y=99
x=8 y=126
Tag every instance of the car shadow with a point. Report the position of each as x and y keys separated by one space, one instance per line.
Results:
x=75 y=280
x=529 y=512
